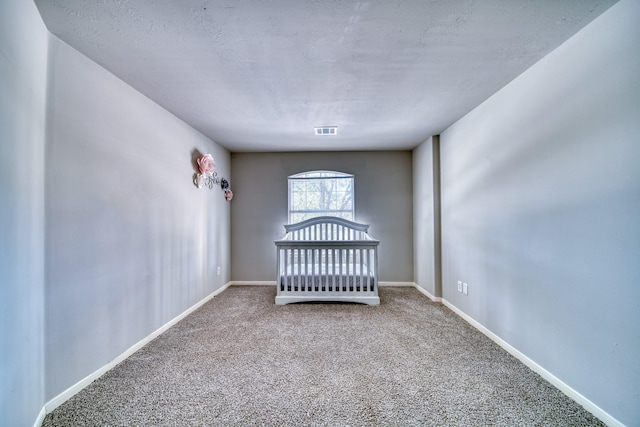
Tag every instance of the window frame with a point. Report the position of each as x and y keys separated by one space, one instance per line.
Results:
x=307 y=175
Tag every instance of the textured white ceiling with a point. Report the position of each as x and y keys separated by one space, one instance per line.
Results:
x=258 y=75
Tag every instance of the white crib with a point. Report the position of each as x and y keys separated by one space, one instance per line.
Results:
x=327 y=259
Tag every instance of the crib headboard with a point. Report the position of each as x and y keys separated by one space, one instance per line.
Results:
x=327 y=228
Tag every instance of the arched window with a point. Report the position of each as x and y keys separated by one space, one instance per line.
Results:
x=320 y=193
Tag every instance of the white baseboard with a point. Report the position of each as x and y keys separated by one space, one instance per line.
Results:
x=395 y=283
x=252 y=283
x=40 y=419
x=77 y=387
x=559 y=384
x=427 y=293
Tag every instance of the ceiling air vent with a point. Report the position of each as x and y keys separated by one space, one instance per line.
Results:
x=326 y=130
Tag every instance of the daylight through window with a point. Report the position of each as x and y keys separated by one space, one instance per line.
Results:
x=320 y=193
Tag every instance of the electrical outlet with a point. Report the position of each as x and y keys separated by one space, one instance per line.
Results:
x=465 y=289
x=218 y=271
x=459 y=286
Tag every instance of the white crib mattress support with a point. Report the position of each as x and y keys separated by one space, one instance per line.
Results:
x=288 y=299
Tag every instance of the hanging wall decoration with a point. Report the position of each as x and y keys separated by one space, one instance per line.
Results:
x=208 y=177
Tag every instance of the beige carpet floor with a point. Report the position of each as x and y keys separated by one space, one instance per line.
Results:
x=241 y=360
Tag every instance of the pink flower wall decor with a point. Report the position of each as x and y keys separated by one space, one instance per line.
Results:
x=206 y=164
x=208 y=177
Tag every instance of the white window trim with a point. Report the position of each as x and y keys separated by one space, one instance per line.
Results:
x=339 y=175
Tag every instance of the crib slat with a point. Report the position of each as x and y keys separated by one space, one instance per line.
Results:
x=313 y=270
x=354 y=269
x=336 y=268
x=309 y=266
x=340 y=275
x=319 y=261
x=309 y=270
x=354 y=263
x=361 y=266
x=340 y=267
x=324 y=280
x=373 y=270
x=305 y=264
x=369 y=267
x=349 y=265
x=366 y=270
x=326 y=270
x=312 y=276
x=292 y=265
x=347 y=256
x=289 y=264
x=338 y=261
x=299 y=266
x=334 y=279
x=330 y=269
x=282 y=269
x=322 y=274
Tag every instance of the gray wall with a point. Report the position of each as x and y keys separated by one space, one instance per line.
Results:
x=130 y=241
x=383 y=199
x=426 y=217
x=541 y=212
x=23 y=78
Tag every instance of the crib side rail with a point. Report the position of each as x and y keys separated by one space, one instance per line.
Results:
x=331 y=268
